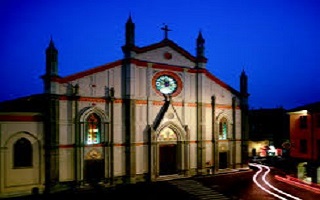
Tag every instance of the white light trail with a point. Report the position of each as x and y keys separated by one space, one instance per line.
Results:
x=271 y=186
x=260 y=167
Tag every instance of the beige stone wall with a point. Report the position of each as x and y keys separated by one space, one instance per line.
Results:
x=20 y=180
x=157 y=57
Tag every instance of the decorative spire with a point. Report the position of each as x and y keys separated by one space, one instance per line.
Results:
x=51 y=46
x=51 y=59
x=200 y=45
x=130 y=32
x=243 y=83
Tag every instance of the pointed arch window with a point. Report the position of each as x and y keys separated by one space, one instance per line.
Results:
x=223 y=129
x=22 y=153
x=93 y=129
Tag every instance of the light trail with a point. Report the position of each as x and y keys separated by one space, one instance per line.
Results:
x=260 y=186
x=276 y=189
x=260 y=167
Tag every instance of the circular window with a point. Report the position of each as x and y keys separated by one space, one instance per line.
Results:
x=167 y=83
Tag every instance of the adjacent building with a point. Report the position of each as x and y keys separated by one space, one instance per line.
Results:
x=305 y=138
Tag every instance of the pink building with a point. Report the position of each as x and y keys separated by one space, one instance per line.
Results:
x=305 y=132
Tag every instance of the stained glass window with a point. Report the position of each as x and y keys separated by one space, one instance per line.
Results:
x=22 y=153
x=93 y=129
x=223 y=129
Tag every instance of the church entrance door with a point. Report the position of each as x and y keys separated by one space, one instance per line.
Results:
x=168 y=159
x=223 y=160
x=94 y=170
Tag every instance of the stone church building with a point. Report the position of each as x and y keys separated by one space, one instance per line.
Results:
x=157 y=112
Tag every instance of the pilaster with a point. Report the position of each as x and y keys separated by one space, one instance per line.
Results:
x=51 y=145
x=130 y=150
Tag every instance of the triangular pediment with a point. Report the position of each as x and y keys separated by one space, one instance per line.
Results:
x=165 y=52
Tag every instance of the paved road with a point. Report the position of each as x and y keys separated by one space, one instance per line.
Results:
x=232 y=186
x=241 y=186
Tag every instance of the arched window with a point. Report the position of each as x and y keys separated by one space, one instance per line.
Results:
x=223 y=129
x=22 y=153
x=93 y=129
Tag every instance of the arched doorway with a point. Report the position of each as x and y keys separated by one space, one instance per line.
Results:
x=92 y=161
x=168 y=152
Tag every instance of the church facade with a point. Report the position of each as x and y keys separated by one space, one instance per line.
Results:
x=157 y=112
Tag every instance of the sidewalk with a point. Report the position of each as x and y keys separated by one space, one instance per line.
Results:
x=299 y=183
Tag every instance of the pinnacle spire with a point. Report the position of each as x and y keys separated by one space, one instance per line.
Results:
x=200 y=45
x=200 y=39
x=51 y=45
x=130 y=27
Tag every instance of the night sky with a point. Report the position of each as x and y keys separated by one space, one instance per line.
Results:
x=276 y=42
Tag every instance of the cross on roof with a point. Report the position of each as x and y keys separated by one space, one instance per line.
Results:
x=165 y=29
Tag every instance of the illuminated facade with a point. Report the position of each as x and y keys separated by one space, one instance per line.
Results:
x=305 y=132
x=156 y=112
x=305 y=139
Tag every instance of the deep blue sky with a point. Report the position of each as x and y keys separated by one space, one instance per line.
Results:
x=277 y=42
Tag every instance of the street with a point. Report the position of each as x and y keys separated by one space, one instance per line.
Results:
x=257 y=183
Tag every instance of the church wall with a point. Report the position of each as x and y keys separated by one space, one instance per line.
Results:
x=209 y=152
x=84 y=86
x=157 y=56
x=141 y=86
x=66 y=141
x=238 y=152
x=238 y=124
x=193 y=155
x=141 y=139
x=96 y=84
x=119 y=137
x=100 y=84
x=66 y=163
x=141 y=159
x=190 y=90
x=119 y=161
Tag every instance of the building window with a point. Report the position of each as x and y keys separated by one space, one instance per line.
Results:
x=93 y=133
x=22 y=153
x=223 y=129
x=303 y=122
x=303 y=146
